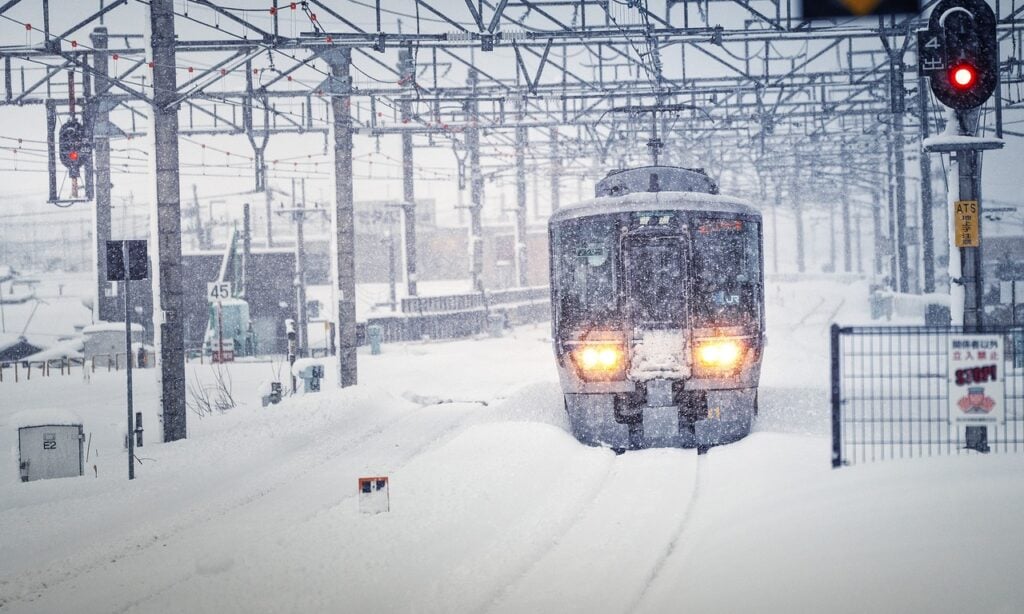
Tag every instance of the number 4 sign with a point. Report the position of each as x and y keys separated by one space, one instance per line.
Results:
x=930 y=57
x=218 y=291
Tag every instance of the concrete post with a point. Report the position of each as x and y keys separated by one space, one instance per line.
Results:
x=798 y=219
x=520 y=235
x=927 y=233
x=845 y=203
x=476 y=188
x=299 y=213
x=340 y=61
x=105 y=307
x=407 y=70
x=167 y=310
x=900 y=222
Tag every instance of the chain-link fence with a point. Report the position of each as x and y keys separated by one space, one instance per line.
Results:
x=892 y=389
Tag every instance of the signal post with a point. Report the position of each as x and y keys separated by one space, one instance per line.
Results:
x=959 y=53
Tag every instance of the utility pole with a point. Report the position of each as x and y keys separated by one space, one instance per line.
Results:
x=845 y=203
x=775 y=226
x=105 y=306
x=202 y=234
x=893 y=222
x=520 y=157
x=901 y=203
x=798 y=216
x=298 y=213
x=168 y=308
x=927 y=236
x=476 y=186
x=857 y=236
x=246 y=246
x=897 y=106
x=876 y=230
x=972 y=288
x=408 y=76
x=832 y=238
x=340 y=61
x=268 y=196
x=389 y=241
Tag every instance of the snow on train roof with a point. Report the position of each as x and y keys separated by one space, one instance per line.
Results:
x=644 y=201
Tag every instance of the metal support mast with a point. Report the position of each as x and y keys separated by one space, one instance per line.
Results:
x=798 y=216
x=169 y=308
x=106 y=306
x=340 y=61
x=299 y=215
x=520 y=235
x=408 y=75
x=927 y=232
x=899 y=222
x=844 y=197
x=476 y=187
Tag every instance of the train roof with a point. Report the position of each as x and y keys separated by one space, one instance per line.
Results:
x=645 y=201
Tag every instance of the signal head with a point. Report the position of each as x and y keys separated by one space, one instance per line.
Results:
x=963 y=77
x=960 y=52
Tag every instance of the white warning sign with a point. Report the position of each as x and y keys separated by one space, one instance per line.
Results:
x=976 y=392
x=373 y=495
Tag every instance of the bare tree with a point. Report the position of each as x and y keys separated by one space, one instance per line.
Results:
x=204 y=399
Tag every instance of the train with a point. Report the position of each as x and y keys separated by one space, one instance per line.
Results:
x=657 y=298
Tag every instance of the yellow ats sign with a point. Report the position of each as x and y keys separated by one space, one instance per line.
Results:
x=966 y=225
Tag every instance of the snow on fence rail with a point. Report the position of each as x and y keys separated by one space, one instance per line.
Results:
x=22 y=370
x=475 y=300
x=891 y=393
x=459 y=315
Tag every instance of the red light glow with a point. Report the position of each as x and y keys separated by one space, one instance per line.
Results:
x=963 y=76
x=73 y=155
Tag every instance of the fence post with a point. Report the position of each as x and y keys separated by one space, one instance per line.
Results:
x=837 y=441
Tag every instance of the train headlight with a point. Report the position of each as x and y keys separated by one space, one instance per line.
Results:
x=719 y=354
x=599 y=361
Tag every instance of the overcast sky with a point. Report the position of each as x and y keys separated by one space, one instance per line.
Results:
x=377 y=166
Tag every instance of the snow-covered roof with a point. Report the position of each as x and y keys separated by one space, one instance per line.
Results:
x=645 y=201
x=72 y=348
x=111 y=327
x=43 y=417
x=10 y=340
x=302 y=363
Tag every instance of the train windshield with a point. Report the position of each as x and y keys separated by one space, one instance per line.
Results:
x=656 y=269
x=726 y=269
x=586 y=261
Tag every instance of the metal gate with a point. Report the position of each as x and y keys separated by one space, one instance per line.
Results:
x=891 y=387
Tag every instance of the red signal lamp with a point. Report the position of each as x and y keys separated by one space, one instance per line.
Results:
x=963 y=77
x=73 y=155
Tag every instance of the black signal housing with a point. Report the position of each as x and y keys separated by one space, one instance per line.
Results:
x=960 y=53
x=73 y=146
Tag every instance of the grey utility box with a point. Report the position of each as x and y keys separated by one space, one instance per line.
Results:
x=50 y=451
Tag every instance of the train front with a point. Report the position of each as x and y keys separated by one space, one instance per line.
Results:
x=658 y=311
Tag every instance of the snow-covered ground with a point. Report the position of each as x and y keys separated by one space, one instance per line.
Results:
x=494 y=506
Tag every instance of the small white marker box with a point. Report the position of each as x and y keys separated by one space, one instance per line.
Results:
x=373 y=495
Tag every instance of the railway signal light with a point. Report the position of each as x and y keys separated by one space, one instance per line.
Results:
x=73 y=144
x=960 y=53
